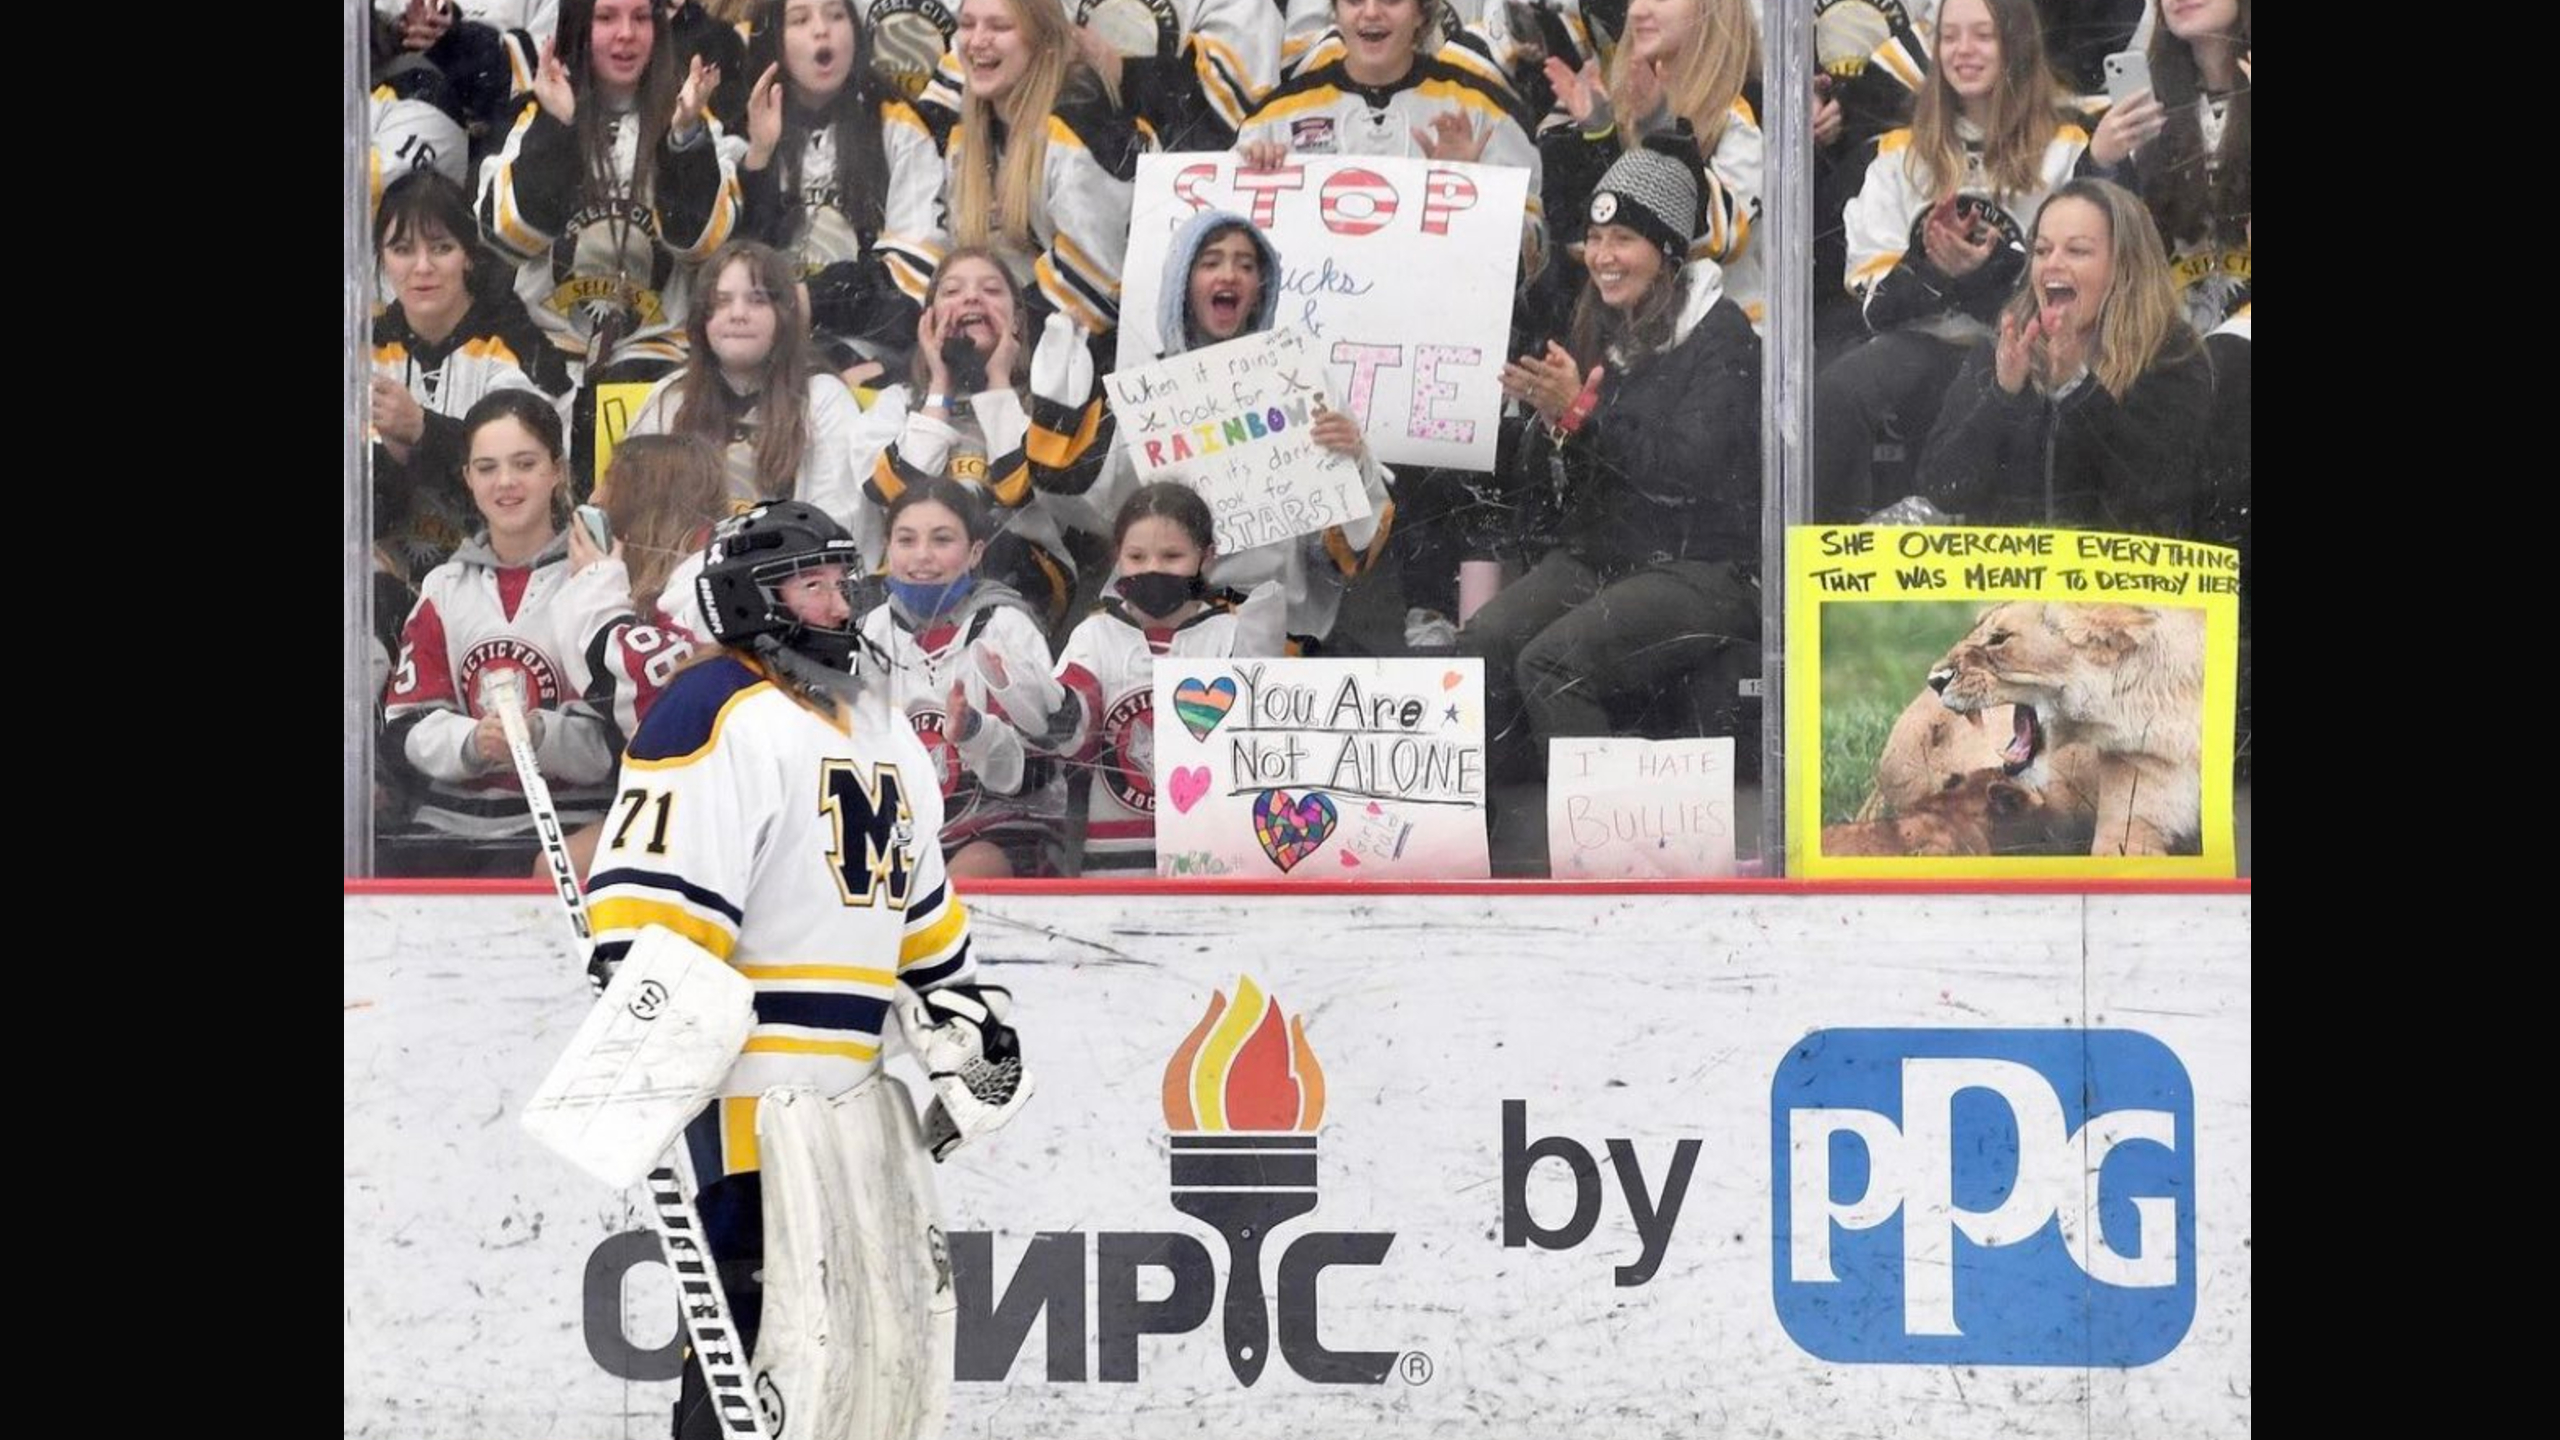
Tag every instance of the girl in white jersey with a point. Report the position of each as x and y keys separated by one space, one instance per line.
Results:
x=1937 y=239
x=784 y=426
x=494 y=607
x=966 y=662
x=611 y=184
x=1161 y=604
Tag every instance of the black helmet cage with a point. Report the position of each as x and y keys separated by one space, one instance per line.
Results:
x=749 y=558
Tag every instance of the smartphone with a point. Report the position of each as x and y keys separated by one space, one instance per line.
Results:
x=591 y=518
x=2127 y=72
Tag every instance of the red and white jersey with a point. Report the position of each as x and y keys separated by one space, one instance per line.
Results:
x=623 y=656
x=1007 y=787
x=1110 y=665
x=476 y=618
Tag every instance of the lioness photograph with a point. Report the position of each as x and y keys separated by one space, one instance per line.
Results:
x=2020 y=728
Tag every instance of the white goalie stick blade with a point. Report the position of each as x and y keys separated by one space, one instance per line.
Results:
x=650 y=1054
x=859 y=1312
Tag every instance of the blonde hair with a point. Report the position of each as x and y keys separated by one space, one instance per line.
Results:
x=996 y=186
x=660 y=493
x=2141 y=322
x=2025 y=107
x=1702 y=79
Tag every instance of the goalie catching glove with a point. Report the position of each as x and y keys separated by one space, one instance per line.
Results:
x=972 y=1056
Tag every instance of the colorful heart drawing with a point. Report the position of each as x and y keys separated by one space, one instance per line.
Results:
x=1203 y=706
x=1290 y=831
x=1190 y=782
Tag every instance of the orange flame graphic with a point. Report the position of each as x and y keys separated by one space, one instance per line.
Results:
x=1244 y=1067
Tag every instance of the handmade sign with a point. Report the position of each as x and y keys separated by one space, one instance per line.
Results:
x=1322 y=769
x=1399 y=271
x=1235 y=422
x=1630 y=808
x=1966 y=701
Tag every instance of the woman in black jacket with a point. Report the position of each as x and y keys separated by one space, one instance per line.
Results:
x=2090 y=409
x=1651 y=433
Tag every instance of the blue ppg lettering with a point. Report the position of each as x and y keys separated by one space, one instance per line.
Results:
x=1995 y=1197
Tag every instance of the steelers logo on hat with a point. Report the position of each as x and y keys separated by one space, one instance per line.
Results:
x=1604 y=208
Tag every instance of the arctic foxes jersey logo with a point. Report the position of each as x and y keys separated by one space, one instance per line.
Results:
x=484 y=661
x=1129 y=750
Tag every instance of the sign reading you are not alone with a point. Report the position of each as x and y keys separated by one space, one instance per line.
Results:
x=1327 y=769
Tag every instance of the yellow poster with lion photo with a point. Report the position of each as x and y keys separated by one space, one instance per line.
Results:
x=1970 y=703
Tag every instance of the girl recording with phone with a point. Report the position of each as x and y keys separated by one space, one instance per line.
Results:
x=1937 y=238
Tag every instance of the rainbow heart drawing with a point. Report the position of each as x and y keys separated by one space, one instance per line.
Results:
x=1203 y=706
x=1290 y=831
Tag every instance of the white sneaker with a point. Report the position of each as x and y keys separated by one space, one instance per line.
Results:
x=1429 y=630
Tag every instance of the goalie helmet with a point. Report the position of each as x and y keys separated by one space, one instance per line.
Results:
x=750 y=557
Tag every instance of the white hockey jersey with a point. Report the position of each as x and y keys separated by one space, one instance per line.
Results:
x=827 y=478
x=802 y=848
x=910 y=243
x=995 y=782
x=1883 y=225
x=475 y=618
x=1109 y=666
x=583 y=256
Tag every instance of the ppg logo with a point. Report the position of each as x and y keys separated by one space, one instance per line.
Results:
x=1999 y=1197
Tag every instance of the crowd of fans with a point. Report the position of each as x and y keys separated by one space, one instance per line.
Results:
x=868 y=254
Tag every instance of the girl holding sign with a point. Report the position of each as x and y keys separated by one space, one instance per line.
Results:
x=1651 y=425
x=1937 y=238
x=1222 y=281
x=841 y=175
x=1391 y=90
x=1161 y=605
x=968 y=666
x=966 y=413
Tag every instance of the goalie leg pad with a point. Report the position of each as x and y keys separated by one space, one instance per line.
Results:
x=857 y=1333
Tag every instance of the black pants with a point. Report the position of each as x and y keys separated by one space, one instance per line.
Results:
x=1891 y=387
x=1562 y=646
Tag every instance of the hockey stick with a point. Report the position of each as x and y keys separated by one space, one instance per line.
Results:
x=707 y=1317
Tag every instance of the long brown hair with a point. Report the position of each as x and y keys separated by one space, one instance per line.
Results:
x=996 y=184
x=782 y=439
x=2195 y=195
x=2025 y=111
x=862 y=163
x=1643 y=329
x=2141 y=322
x=655 y=101
x=661 y=493
x=1703 y=79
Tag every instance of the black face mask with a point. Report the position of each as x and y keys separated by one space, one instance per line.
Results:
x=967 y=368
x=1155 y=592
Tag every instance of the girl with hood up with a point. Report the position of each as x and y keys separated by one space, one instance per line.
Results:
x=1222 y=280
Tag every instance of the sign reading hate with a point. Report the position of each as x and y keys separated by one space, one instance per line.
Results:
x=1399 y=271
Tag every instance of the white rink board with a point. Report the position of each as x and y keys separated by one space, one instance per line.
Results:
x=1650 y=1019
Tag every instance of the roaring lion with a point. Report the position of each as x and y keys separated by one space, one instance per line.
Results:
x=2125 y=681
